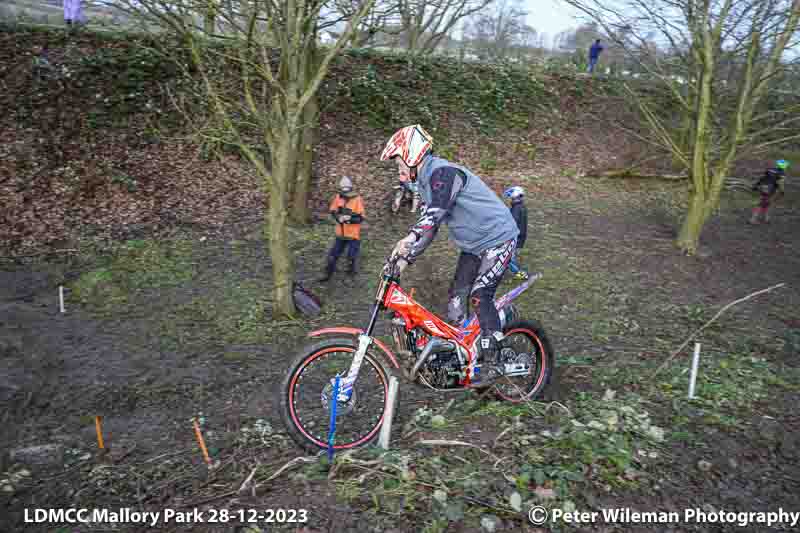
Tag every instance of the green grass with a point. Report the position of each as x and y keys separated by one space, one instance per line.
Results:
x=236 y=312
x=190 y=304
x=136 y=267
x=728 y=390
x=605 y=443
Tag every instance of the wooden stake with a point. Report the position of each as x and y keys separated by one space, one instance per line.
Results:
x=98 y=426
x=386 y=427
x=695 y=363
x=61 y=299
x=201 y=442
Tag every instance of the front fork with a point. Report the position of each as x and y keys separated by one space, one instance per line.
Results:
x=346 y=385
x=364 y=341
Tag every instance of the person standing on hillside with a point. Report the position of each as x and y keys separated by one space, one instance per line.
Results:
x=478 y=223
x=771 y=182
x=347 y=209
x=73 y=12
x=594 y=54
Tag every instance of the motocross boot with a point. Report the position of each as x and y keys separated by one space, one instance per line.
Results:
x=492 y=366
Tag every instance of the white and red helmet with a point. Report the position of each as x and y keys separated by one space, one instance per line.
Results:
x=410 y=144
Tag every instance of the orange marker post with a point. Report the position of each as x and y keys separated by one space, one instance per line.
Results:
x=99 y=428
x=201 y=442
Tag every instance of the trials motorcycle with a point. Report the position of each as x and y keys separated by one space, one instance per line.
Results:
x=428 y=352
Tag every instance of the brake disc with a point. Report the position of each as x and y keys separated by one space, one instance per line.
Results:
x=343 y=408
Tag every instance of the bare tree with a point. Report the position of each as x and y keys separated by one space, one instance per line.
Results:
x=259 y=83
x=496 y=31
x=426 y=23
x=724 y=56
x=383 y=20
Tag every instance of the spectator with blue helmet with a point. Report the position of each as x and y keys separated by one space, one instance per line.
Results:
x=771 y=182
x=516 y=195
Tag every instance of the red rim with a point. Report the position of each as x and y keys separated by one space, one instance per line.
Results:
x=299 y=426
x=542 y=371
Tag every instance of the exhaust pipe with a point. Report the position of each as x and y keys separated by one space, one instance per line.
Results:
x=433 y=346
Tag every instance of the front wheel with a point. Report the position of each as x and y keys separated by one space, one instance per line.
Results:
x=526 y=342
x=307 y=390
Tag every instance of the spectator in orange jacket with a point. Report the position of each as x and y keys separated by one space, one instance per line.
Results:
x=347 y=209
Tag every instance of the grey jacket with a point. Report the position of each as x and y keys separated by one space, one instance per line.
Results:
x=476 y=217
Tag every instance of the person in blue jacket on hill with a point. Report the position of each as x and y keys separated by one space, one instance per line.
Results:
x=594 y=54
x=478 y=223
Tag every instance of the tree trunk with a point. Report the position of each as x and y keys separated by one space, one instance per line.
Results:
x=700 y=192
x=276 y=228
x=696 y=217
x=301 y=213
x=291 y=168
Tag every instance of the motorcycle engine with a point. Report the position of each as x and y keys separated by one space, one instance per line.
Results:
x=442 y=370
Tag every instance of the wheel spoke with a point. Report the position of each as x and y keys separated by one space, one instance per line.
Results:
x=311 y=394
x=529 y=350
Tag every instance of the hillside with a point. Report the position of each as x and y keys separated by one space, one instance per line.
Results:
x=94 y=145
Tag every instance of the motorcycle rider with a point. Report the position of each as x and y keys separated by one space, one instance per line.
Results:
x=479 y=224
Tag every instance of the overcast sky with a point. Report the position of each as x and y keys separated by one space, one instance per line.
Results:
x=551 y=17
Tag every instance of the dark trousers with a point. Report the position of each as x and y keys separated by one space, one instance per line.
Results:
x=353 y=247
x=475 y=283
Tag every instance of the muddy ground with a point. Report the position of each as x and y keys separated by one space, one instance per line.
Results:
x=166 y=331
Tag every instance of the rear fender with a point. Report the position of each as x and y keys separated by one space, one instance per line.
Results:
x=356 y=332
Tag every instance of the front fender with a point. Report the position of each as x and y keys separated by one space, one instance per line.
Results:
x=356 y=332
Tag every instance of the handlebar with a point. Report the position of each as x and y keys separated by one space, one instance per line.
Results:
x=390 y=267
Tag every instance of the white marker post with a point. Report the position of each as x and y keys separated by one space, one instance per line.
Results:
x=693 y=376
x=61 y=297
x=386 y=427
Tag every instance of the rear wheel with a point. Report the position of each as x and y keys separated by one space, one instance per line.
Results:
x=530 y=345
x=307 y=390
